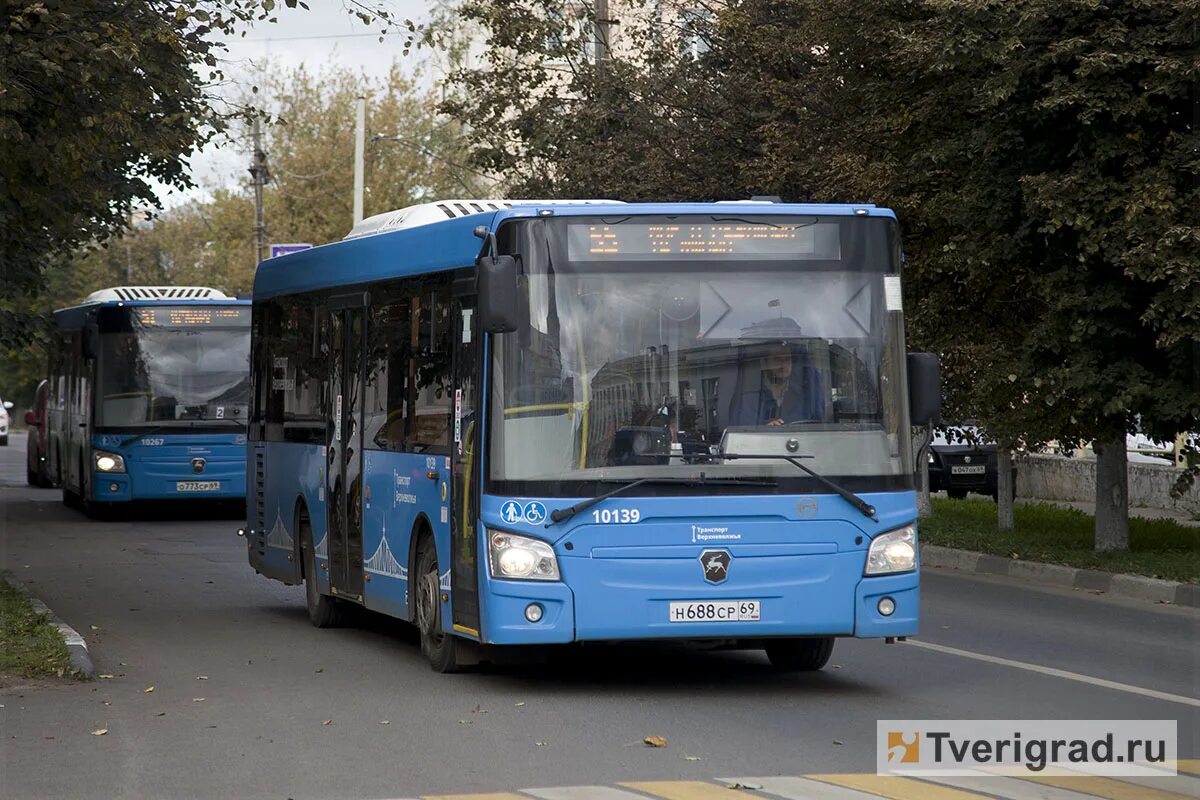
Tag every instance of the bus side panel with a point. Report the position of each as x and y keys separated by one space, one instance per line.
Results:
x=292 y=474
x=397 y=493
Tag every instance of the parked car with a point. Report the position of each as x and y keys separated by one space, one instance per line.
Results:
x=962 y=460
x=5 y=405
x=37 y=466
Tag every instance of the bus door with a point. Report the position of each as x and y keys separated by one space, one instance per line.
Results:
x=465 y=441
x=344 y=475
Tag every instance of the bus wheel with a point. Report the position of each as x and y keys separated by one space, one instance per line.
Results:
x=323 y=611
x=440 y=649
x=799 y=655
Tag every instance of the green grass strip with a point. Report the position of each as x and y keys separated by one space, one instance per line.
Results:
x=1158 y=548
x=30 y=644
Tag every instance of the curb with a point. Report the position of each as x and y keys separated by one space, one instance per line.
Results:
x=1134 y=587
x=77 y=649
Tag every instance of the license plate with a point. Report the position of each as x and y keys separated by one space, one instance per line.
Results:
x=971 y=470
x=715 y=611
x=197 y=486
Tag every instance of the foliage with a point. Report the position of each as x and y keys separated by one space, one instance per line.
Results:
x=1040 y=154
x=102 y=100
x=1158 y=548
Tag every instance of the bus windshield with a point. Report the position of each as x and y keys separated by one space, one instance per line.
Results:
x=153 y=372
x=652 y=349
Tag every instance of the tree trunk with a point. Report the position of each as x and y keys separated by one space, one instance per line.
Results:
x=1112 y=495
x=1004 y=489
x=924 y=507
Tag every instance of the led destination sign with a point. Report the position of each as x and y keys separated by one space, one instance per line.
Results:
x=681 y=240
x=194 y=316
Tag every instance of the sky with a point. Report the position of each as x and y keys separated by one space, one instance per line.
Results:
x=325 y=35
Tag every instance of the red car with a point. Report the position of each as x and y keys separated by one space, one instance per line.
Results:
x=36 y=466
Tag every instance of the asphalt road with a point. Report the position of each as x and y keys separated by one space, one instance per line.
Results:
x=249 y=700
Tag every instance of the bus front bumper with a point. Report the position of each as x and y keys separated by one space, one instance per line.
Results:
x=818 y=595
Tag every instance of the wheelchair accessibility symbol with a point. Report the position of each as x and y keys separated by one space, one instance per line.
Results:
x=535 y=512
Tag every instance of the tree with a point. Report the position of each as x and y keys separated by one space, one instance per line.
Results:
x=1042 y=157
x=103 y=99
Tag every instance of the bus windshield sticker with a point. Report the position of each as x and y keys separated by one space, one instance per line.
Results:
x=458 y=419
x=337 y=419
x=534 y=512
x=512 y=512
x=892 y=296
x=220 y=412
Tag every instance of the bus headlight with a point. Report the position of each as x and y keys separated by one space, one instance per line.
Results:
x=894 y=551
x=108 y=462
x=521 y=558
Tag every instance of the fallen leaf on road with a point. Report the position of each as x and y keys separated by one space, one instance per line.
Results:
x=104 y=676
x=541 y=744
x=692 y=758
x=161 y=714
x=99 y=731
x=751 y=786
x=197 y=699
x=319 y=670
x=327 y=722
x=465 y=722
x=95 y=627
x=107 y=702
x=201 y=677
x=838 y=741
x=148 y=689
x=385 y=722
x=479 y=710
x=518 y=705
x=655 y=741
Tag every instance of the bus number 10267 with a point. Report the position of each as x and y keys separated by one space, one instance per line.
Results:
x=610 y=515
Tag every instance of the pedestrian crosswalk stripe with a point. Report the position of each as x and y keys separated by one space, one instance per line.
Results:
x=688 y=790
x=1191 y=765
x=1106 y=787
x=793 y=788
x=1008 y=788
x=583 y=793
x=896 y=788
x=1187 y=785
x=492 y=796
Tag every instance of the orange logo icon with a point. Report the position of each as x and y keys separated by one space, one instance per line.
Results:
x=904 y=748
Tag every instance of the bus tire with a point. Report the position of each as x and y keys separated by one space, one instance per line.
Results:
x=440 y=648
x=799 y=655
x=323 y=611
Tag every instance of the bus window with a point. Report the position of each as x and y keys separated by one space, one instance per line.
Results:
x=431 y=370
x=388 y=348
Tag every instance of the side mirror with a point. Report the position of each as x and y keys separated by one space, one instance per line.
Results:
x=89 y=342
x=924 y=389
x=498 y=301
x=30 y=418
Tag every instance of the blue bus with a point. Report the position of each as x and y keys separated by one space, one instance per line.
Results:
x=535 y=423
x=148 y=397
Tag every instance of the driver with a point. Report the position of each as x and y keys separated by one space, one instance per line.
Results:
x=791 y=389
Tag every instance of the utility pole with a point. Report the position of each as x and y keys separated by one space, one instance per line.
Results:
x=360 y=135
x=603 y=26
x=260 y=175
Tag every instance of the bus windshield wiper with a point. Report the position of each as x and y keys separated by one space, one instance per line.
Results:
x=560 y=514
x=850 y=497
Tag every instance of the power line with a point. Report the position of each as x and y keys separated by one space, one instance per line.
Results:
x=325 y=36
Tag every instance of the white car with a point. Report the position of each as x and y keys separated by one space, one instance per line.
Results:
x=4 y=407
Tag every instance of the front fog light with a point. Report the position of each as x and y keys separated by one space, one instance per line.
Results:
x=521 y=557
x=894 y=551
x=533 y=612
x=887 y=606
x=108 y=462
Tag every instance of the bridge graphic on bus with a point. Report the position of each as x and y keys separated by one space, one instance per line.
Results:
x=279 y=536
x=384 y=563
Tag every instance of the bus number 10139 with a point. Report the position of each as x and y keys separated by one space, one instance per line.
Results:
x=608 y=516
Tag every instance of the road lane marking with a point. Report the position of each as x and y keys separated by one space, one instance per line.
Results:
x=895 y=788
x=687 y=790
x=1059 y=673
x=583 y=793
x=794 y=788
x=1106 y=787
